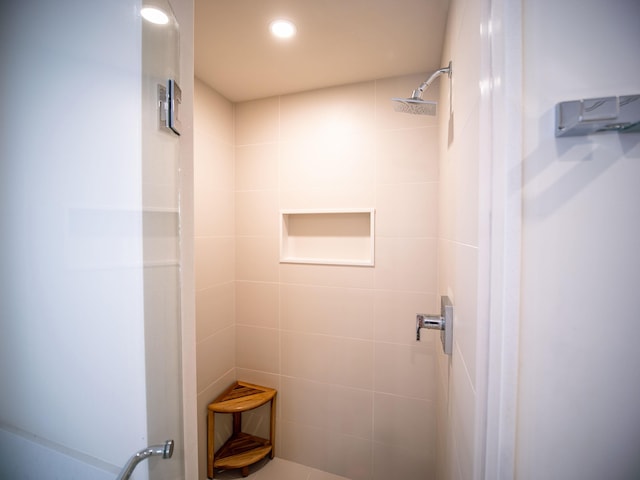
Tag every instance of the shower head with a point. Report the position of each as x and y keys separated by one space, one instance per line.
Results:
x=416 y=105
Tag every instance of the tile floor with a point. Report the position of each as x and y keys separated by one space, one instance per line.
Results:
x=279 y=469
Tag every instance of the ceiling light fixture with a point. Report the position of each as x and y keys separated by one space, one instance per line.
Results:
x=154 y=15
x=282 y=28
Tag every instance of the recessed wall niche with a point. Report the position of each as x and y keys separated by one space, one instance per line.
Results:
x=328 y=237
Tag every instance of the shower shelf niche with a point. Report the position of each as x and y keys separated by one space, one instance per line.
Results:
x=328 y=237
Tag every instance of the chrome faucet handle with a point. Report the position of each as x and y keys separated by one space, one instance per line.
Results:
x=432 y=322
x=442 y=322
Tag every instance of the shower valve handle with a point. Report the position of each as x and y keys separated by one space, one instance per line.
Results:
x=432 y=322
x=442 y=322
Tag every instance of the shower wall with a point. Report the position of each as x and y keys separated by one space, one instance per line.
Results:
x=357 y=393
x=214 y=252
x=463 y=248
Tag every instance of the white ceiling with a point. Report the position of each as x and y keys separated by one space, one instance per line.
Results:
x=338 y=42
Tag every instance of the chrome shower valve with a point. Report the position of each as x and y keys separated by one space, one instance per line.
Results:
x=442 y=322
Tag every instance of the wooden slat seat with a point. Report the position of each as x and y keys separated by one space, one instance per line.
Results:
x=241 y=449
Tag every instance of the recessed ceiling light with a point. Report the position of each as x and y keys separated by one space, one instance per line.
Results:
x=154 y=15
x=282 y=28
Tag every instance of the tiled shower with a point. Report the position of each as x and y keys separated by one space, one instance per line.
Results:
x=356 y=391
x=358 y=396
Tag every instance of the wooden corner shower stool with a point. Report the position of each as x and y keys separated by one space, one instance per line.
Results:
x=241 y=449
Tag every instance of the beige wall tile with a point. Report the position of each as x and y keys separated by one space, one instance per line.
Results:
x=351 y=363
x=395 y=314
x=304 y=444
x=328 y=113
x=462 y=409
x=442 y=406
x=333 y=407
x=257 y=304
x=405 y=370
x=397 y=462
x=203 y=171
x=407 y=210
x=258 y=349
x=328 y=359
x=327 y=275
x=305 y=356
x=212 y=112
x=403 y=422
x=214 y=218
x=459 y=278
x=406 y=264
x=350 y=457
x=304 y=401
x=215 y=309
x=459 y=212
x=331 y=311
x=213 y=186
x=257 y=166
x=327 y=161
x=215 y=356
x=213 y=163
x=214 y=261
x=257 y=121
x=257 y=213
x=358 y=195
x=350 y=411
x=408 y=155
x=257 y=259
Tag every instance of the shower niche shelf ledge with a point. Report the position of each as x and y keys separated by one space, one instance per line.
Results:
x=328 y=237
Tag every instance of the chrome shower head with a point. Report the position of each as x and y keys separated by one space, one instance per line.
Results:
x=416 y=105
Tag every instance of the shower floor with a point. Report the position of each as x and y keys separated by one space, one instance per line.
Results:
x=279 y=469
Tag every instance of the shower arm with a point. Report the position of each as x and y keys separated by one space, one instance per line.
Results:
x=417 y=93
x=166 y=451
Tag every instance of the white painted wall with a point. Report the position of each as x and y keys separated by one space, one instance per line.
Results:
x=579 y=414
